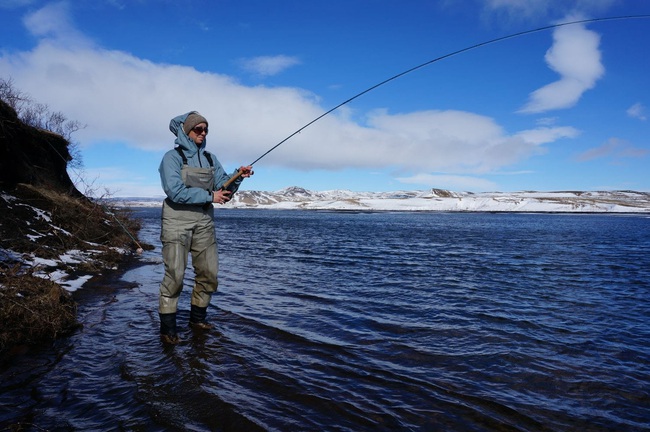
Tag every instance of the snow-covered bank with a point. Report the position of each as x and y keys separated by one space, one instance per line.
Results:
x=296 y=198
x=59 y=238
x=52 y=243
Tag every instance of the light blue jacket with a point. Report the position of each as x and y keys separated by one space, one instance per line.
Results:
x=172 y=163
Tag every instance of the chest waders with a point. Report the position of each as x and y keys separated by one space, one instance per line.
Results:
x=188 y=229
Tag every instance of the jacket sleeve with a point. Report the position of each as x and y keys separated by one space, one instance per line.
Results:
x=220 y=177
x=172 y=182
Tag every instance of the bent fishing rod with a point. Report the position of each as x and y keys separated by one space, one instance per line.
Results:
x=435 y=60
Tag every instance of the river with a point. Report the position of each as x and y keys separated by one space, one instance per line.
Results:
x=341 y=321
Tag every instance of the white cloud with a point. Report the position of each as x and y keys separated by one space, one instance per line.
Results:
x=637 y=111
x=576 y=58
x=454 y=140
x=268 y=65
x=126 y=99
x=545 y=135
x=53 y=22
x=123 y=98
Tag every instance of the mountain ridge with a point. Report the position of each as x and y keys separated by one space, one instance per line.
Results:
x=299 y=198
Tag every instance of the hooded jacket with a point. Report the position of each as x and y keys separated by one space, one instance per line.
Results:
x=172 y=163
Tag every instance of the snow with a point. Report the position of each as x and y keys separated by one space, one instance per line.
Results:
x=54 y=269
x=296 y=198
x=74 y=284
x=59 y=269
x=436 y=200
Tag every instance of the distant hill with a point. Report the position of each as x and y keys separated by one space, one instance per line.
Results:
x=297 y=198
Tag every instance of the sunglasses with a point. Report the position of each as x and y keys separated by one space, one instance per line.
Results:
x=200 y=129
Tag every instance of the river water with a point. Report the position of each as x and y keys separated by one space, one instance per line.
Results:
x=332 y=321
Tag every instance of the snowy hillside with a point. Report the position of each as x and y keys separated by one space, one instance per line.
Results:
x=434 y=200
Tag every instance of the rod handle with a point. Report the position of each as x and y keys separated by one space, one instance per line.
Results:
x=228 y=182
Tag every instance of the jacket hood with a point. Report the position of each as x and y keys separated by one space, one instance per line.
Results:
x=182 y=140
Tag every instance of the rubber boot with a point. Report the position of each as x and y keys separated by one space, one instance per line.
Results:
x=168 y=328
x=197 y=318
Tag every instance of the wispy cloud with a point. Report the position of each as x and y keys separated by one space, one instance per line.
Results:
x=52 y=22
x=576 y=57
x=614 y=148
x=518 y=10
x=268 y=65
x=10 y=4
x=637 y=111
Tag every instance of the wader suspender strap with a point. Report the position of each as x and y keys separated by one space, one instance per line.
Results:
x=209 y=158
x=205 y=153
x=180 y=152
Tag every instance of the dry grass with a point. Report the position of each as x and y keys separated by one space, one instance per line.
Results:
x=43 y=217
x=33 y=309
x=40 y=223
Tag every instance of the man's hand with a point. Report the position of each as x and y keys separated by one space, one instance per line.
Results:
x=246 y=171
x=221 y=196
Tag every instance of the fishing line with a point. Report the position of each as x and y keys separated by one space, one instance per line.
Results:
x=437 y=59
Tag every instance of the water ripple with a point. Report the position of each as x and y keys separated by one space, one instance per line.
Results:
x=355 y=322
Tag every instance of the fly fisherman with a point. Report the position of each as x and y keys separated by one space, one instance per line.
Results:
x=192 y=179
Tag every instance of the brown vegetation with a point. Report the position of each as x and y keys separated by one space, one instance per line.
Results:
x=33 y=309
x=37 y=227
x=42 y=217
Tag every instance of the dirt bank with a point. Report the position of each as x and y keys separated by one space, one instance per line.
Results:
x=51 y=235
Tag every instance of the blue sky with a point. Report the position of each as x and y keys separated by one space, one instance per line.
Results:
x=561 y=109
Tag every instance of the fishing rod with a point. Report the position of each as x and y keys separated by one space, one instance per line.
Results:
x=437 y=59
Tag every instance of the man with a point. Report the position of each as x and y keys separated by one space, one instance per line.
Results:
x=192 y=179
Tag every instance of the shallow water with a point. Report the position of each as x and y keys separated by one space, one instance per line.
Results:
x=365 y=322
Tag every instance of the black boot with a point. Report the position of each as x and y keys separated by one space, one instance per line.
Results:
x=168 y=328
x=197 y=318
